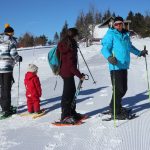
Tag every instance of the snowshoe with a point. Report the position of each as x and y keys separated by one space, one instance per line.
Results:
x=5 y=115
x=13 y=109
x=123 y=110
x=68 y=121
x=1 y=113
x=34 y=115
x=39 y=114
x=126 y=110
x=124 y=115
x=26 y=114
x=80 y=117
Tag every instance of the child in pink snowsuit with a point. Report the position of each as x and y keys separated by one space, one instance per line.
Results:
x=33 y=89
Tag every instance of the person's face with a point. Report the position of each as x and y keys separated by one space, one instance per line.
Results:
x=36 y=71
x=11 y=33
x=118 y=26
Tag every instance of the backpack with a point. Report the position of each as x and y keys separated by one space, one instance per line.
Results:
x=54 y=60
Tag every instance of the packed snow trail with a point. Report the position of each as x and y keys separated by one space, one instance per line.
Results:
x=22 y=133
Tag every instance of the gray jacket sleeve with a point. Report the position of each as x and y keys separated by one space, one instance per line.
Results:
x=13 y=49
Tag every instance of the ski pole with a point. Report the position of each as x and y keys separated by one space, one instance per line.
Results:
x=94 y=82
x=114 y=92
x=147 y=74
x=114 y=96
x=79 y=86
x=18 y=87
x=78 y=90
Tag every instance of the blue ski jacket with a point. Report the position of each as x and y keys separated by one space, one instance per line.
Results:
x=118 y=44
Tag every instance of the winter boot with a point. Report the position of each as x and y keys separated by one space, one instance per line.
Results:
x=39 y=112
x=121 y=116
x=125 y=110
x=5 y=114
x=13 y=109
x=80 y=117
x=69 y=120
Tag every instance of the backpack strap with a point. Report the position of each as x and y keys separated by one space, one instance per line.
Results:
x=60 y=58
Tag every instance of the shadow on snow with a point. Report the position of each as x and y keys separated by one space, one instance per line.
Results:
x=58 y=99
x=130 y=102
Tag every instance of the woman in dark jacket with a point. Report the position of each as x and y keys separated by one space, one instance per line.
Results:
x=68 y=53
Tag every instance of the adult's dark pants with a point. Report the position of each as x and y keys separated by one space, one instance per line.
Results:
x=120 y=77
x=5 y=90
x=68 y=103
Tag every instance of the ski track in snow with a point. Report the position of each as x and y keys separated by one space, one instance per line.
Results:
x=4 y=143
x=26 y=133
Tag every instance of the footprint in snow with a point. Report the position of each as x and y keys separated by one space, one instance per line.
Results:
x=59 y=136
x=115 y=142
x=50 y=147
x=103 y=93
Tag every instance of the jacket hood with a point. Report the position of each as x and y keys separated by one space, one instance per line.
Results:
x=116 y=31
x=30 y=75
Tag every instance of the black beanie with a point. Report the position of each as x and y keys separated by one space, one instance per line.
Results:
x=72 y=32
x=9 y=30
x=118 y=19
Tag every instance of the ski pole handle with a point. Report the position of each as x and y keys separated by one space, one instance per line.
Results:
x=81 y=81
x=86 y=77
x=144 y=47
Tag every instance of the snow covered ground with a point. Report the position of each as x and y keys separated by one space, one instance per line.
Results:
x=25 y=133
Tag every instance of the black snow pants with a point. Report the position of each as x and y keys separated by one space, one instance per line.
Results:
x=68 y=104
x=120 y=88
x=5 y=90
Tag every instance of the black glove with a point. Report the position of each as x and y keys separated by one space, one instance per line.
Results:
x=83 y=75
x=144 y=53
x=19 y=59
x=112 y=60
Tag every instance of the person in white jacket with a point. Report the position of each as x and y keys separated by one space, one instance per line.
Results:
x=8 y=57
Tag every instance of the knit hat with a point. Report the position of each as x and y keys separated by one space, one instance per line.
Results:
x=118 y=20
x=7 y=25
x=32 y=68
x=8 y=29
x=72 y=32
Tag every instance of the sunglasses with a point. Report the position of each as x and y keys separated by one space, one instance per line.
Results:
x=118 y=24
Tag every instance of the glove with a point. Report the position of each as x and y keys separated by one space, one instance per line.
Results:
x=83 y=74
x=144 y=53
x=83 y=77
x=112 y=60
x=19 y=59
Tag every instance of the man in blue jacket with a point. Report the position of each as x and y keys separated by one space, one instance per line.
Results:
x=116 y=49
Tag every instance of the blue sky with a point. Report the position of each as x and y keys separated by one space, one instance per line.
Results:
x=48 y=16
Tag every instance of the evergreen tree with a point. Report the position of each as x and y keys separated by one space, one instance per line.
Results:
x=64 y=30
x=56 y=38
x=113 y=14
x=80 y=24
x=98 y=18
x=106 y=15
x=139 y=23
x=27 y=40
x=147 y=21
x=41 y=40
x=50 y=42
x=130 y=15
x=83 y=27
